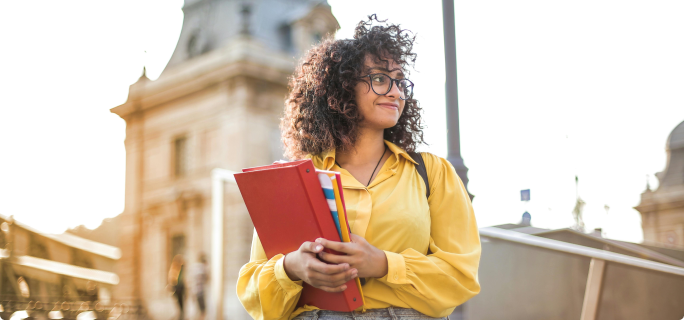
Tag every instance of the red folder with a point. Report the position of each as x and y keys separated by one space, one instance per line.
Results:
x=288 y=207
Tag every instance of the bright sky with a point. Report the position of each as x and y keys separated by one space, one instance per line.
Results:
x=547 y=90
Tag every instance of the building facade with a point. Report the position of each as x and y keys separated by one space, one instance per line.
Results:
x=216 y=105
x=64 y=273
x=662 y=210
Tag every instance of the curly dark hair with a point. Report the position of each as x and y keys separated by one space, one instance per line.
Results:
x=321 y=113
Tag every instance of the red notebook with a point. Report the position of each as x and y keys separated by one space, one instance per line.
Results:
x=288 y=207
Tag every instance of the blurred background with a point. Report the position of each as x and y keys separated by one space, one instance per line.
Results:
x=115 y=113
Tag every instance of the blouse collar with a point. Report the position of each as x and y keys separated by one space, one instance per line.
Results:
x=326 y=159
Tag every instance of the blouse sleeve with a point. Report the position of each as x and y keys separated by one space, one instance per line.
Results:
x=263 y=287
x=446 y=277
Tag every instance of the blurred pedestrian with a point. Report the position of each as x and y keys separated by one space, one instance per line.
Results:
x=176 y=282
x=91 y=291
x=201 y=277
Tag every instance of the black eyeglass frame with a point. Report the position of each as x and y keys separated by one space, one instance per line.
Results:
x=392 y=81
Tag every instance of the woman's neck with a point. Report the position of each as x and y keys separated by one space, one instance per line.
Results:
x=369 y=147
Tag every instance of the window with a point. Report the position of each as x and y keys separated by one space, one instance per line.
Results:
x=81 y=259
x=4 y=228
x=177 y=246
x=180 y=157
x=286 y=37
x=193 y=44
x=317 y=37
x=37 y=247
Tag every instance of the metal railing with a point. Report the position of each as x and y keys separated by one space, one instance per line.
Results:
x=561 y=246
x=56 y=309
x=597 y=266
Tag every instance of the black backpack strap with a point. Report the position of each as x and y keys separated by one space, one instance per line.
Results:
x=422 y=170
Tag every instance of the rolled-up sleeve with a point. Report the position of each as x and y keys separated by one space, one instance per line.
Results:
x=446 y=277
x=263 y=287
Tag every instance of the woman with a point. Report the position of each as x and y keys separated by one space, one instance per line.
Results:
x=201 y=278
x=177 y=283
x=351 y=110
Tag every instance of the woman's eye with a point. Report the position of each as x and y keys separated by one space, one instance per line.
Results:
x=378 y=79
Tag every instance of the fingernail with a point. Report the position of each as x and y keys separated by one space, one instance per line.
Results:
x=318 y=240
x=344 y=288
x=319 y=247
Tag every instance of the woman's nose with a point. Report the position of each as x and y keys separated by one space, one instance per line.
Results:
x=394 y=91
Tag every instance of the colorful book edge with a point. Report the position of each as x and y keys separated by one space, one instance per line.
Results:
x=328 y=190
x=343 y=221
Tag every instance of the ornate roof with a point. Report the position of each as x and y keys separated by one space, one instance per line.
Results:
x=673 y=175
x=211 y=24
x=676 y=138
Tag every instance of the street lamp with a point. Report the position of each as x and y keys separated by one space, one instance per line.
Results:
x=453 y=128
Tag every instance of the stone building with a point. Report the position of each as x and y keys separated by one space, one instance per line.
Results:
x=216 y=105
x=55 y=270
x=662 y=210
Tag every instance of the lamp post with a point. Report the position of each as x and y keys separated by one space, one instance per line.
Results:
x=453 y=130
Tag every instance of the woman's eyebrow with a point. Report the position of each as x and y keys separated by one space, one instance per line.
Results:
x=401 y=74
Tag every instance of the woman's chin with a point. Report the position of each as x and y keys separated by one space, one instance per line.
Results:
x=381 y=124
x=388 y=124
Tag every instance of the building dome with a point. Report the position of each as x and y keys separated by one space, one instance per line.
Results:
x=676 y=138
x=674 y=170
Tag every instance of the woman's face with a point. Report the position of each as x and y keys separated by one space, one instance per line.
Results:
x=379 y=111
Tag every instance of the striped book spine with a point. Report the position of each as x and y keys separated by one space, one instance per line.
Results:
x=329 y=192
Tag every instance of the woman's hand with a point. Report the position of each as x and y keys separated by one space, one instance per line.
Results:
x=303 y=265
x=370 y=261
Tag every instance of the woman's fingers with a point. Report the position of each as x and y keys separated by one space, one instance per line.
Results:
x=331 y=275
x=333 y=289
x=335 y=258
x=312 y=247
x=357 y=239
x=324 y=268
x=336 y=280
x=343 y=247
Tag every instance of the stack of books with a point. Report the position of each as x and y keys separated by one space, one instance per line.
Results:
x=291 y=203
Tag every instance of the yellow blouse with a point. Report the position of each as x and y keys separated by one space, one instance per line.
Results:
x=432 y=245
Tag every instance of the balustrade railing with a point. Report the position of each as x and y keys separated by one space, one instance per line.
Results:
x=55 y=309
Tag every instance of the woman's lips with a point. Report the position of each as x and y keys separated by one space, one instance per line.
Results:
x=389 y=106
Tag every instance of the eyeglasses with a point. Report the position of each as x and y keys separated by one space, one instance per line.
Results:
x=382 y=84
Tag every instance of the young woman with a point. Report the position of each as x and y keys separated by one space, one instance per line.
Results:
x=177 y=283
x=351 y=110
